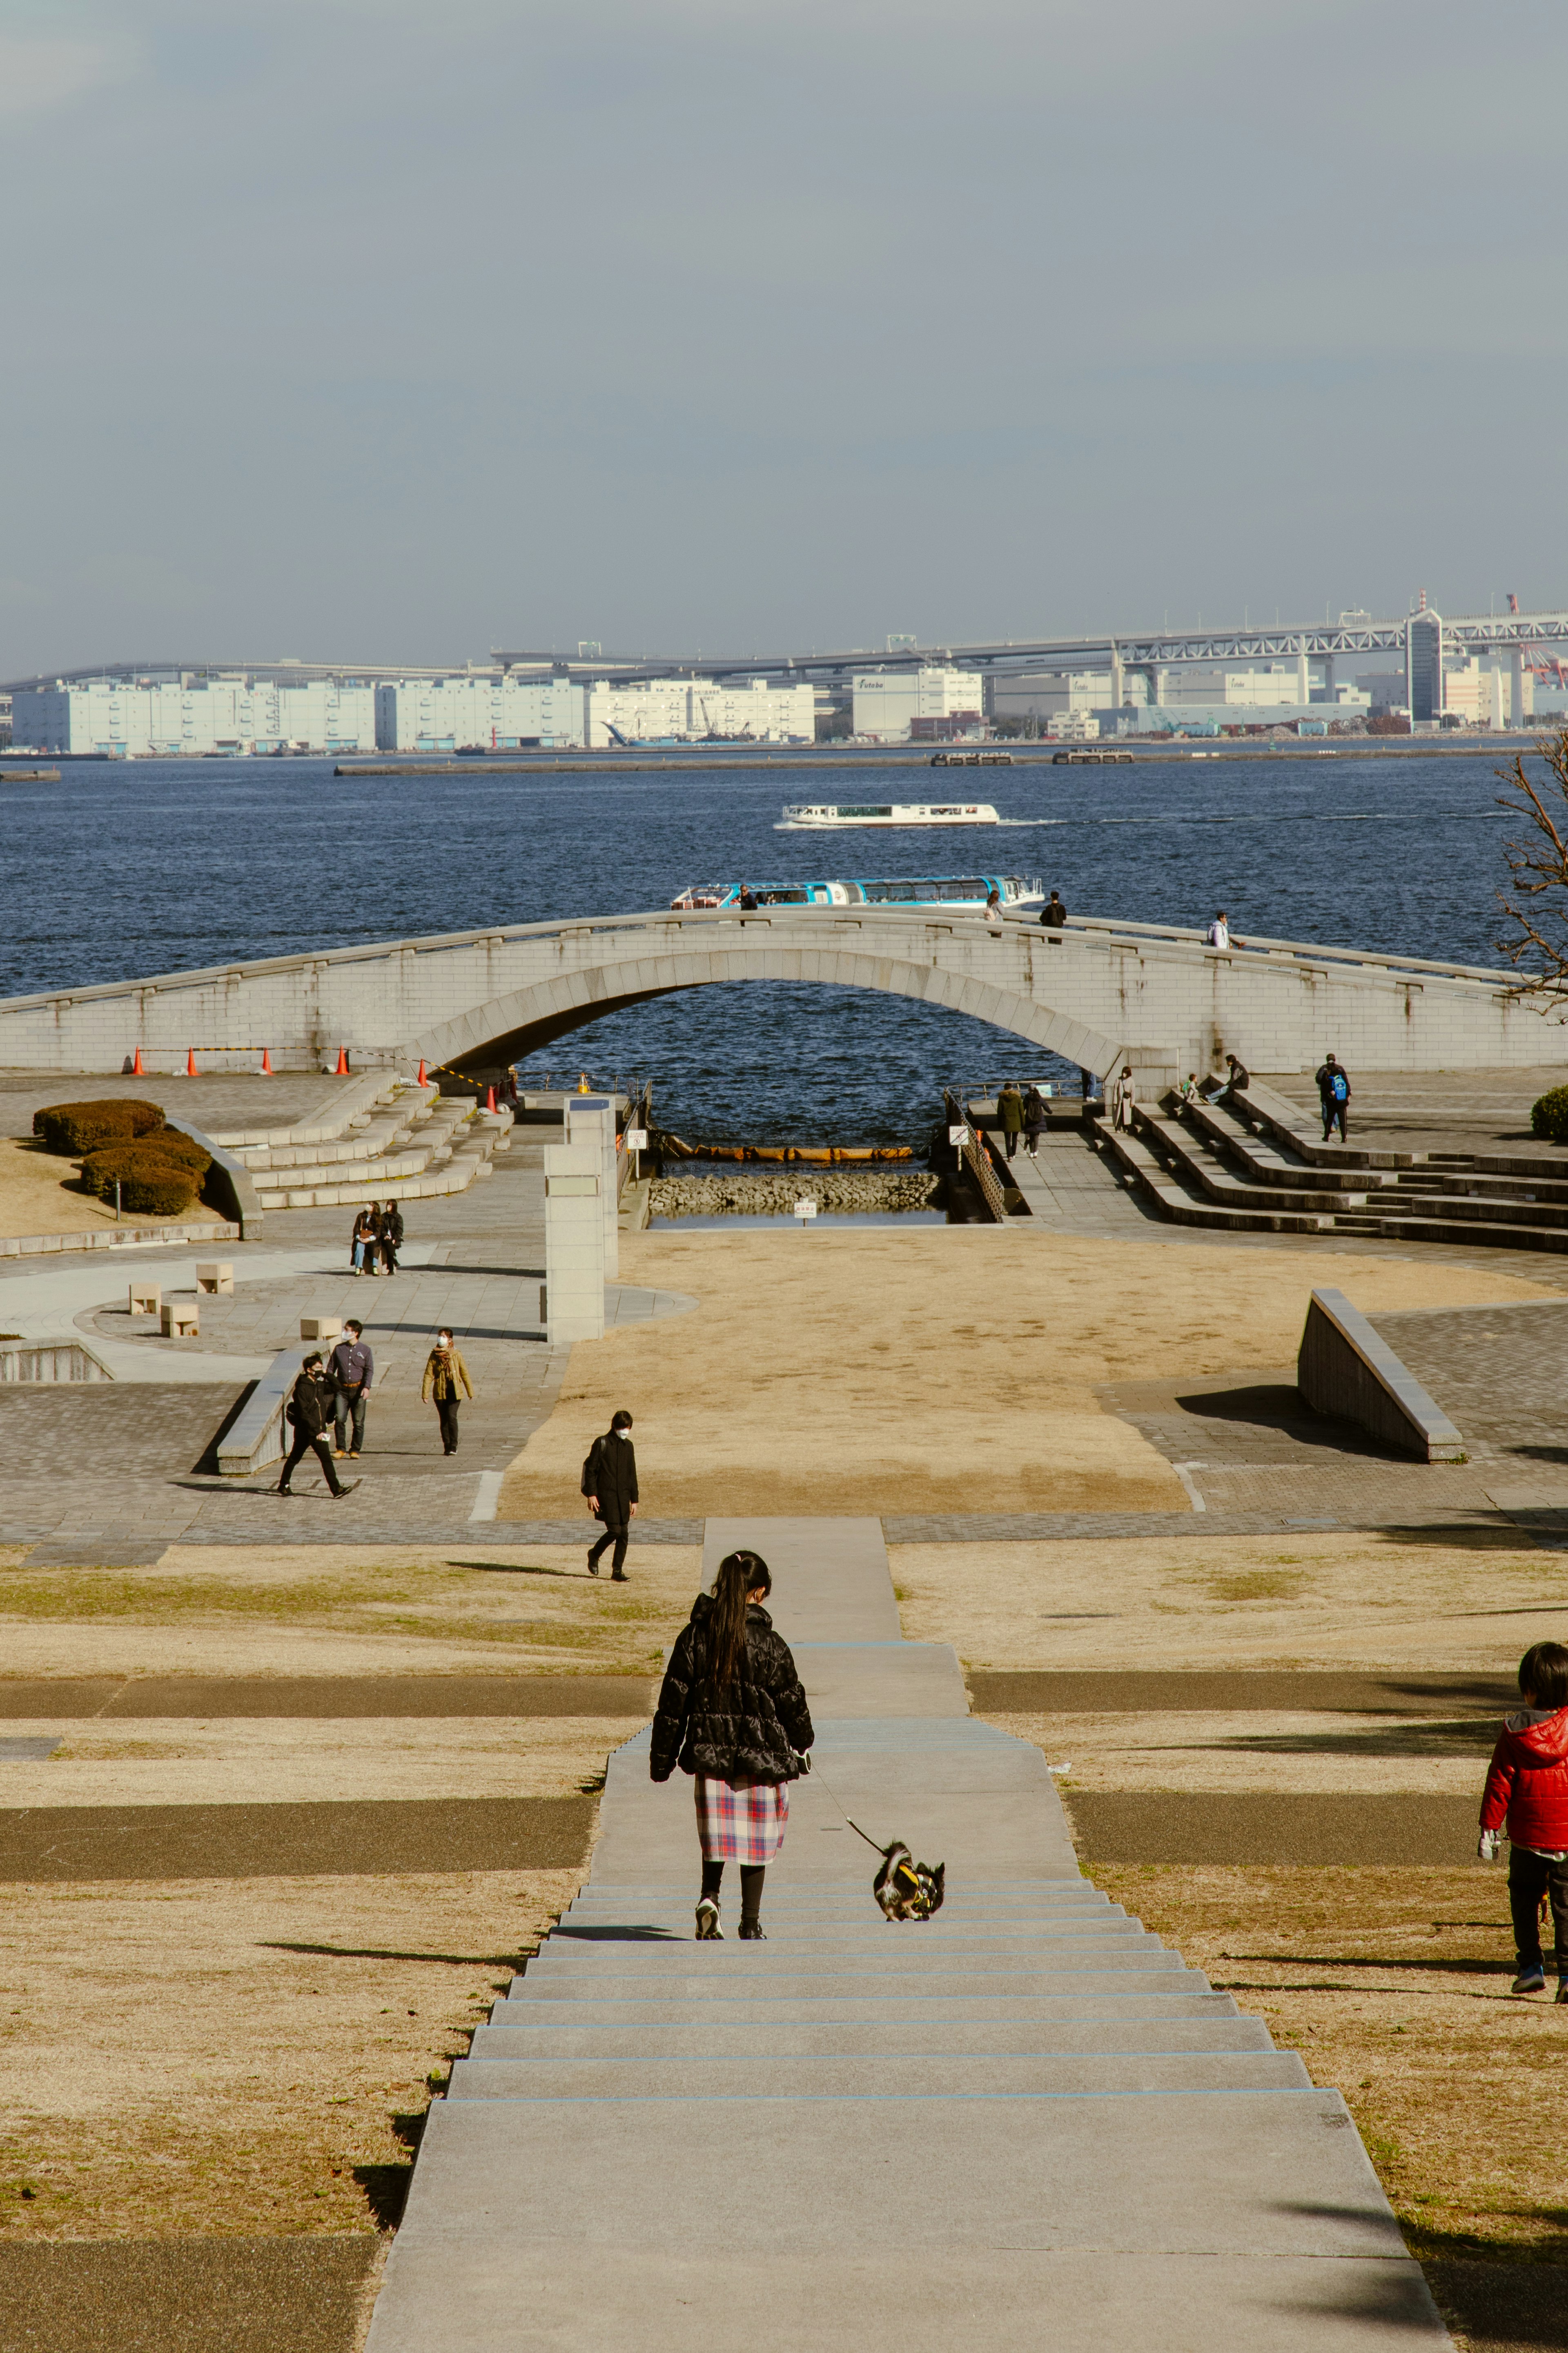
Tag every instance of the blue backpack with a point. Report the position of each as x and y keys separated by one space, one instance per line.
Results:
x=1340 y=1087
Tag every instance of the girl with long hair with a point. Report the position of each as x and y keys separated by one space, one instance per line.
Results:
x=733 y=1714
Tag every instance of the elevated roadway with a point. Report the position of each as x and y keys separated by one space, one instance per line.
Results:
x=1098 y=994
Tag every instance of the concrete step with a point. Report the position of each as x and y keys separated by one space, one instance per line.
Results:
x=875 y=1942
x=1228 y=1133
x=761 y=2076
x=752 y=1972
x=779 y=1954
x=1187 y=1207
x=1121 y=2028
x=1193 y=1161
x=759 y=2004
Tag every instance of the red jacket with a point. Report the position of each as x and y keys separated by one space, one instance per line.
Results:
x=1528 y=1781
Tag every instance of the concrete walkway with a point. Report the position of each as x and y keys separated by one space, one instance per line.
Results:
x=1025 y=2121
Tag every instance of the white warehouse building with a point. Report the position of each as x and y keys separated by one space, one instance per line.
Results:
x=143 y=719
x=490 y=711
x=888 y=701
x=700 y=709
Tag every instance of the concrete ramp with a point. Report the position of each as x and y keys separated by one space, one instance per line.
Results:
x=1023 y=2122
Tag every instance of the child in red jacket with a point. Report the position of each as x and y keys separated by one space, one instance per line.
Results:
x=1527 y=1784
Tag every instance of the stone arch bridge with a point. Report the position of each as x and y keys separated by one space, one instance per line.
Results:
x=1099 y=993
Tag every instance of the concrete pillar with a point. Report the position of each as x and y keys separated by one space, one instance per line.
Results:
x=573 y=1242
x=1516 y=697
x=1329 y=675
x=591 y=1120
x=1303 y=678
x=1115 y=678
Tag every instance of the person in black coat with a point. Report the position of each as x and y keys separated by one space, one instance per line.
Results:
x=610 y=1483
x=391 y=1237
x=308 y=1410
x=732 y=1711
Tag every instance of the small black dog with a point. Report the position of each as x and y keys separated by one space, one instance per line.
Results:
x=905 y=1889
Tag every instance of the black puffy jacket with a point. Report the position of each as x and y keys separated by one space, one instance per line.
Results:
x=754 y=1730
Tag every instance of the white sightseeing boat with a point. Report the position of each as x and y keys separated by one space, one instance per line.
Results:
x=1015 y=894
x=820 y=815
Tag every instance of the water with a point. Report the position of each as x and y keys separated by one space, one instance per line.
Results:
x=122 y=871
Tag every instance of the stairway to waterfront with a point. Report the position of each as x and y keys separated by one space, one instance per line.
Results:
x=1023 y=2121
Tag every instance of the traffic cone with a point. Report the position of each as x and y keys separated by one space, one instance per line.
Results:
x=343 y=1070
x=191 y=1063
x=422 y=1081
x=491 y=1099
x=265 y=1061
x=136 y=1069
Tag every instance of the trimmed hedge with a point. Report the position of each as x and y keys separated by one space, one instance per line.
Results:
x=174 y=1143
x=1549 y=1116
x=74 y=1128
x=151 y=1183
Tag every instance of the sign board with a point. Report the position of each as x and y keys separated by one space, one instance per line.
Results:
x=956 y=1136
x=637 y=1139
x=805 y=1209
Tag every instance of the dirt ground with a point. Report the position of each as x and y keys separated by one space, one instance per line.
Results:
x=1393 y=1985
x=951 y=1368
x=39 y=1194
x=220 y=2057
x=1464 y=1598
x=1287 y=1755
x=347 y=1610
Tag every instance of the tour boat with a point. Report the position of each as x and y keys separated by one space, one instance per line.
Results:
x=958 y=891
x=802 y=814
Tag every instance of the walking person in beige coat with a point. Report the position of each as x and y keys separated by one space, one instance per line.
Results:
x=447 y=1380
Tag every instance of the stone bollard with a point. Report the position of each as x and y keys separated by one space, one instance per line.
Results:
x=215 y=1275
x=147 y=1297
x=320 y=1328
x=178 y=1322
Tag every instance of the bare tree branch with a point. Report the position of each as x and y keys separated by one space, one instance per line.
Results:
x=1536 y=903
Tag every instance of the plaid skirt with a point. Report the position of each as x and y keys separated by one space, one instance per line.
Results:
x=742 y=1824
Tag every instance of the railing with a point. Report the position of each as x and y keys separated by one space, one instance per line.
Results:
x=975 y=1154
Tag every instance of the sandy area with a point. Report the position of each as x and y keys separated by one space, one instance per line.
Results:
x=1288 y=1755
x=240 y=2056
x=1393 y=1985
x=240 y=1760
x=39 y=1194
x=1470 y=1601
x=952 y=1368
x=255 y=1609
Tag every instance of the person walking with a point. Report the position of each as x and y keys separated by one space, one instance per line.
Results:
x=391 y=1237
x=362 y=1242
x=1526 y=1787
x=610 y=1483
x=1123 y=1100
x=1053 y=915
x=350 y=1369
x=993 y=908
x=1035 y=1117
x=308 y=1412
x=446 y=1381
x=1333 y=1095
x=1219 y=932
x=732 y=1711
x=1010 y=1111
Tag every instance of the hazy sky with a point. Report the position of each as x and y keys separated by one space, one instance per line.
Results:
x=403 y=328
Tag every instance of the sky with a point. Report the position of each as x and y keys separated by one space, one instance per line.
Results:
x=403 y=330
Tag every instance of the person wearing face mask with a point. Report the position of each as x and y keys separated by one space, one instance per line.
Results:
x=446 y=1381
x=610 y=1484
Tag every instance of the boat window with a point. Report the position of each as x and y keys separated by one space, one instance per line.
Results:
x=880 y=809
x=783 y=897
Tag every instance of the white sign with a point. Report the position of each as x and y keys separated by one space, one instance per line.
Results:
x=805 y=1209
x=957 y=1136
x=637 y=1139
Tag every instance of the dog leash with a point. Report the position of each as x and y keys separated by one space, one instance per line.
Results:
x=875 y=1845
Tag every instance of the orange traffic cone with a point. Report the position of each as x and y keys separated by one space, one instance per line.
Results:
x=267 y=1062
x=136 y=1069
x=490 y=1100
x=422 y=1081
x=343 y=1070
x=191 y=1063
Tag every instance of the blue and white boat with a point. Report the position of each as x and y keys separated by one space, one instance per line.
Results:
x=1017 y=893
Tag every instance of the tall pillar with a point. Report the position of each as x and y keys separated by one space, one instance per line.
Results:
x=1115 y=678
x=591 y=1120
x=573 y=1242
x=1516 y=697
x=1303 y=678
x=1329 y=675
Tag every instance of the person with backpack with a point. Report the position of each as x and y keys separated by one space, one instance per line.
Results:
x=1333 y=1094
x=308 y=1412
x=732 y=1711
x=610 y=1484
x=1526 y=1788
x=1035 y=1119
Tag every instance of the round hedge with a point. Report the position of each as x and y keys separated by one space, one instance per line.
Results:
x=174 y=1143
x=151 y=1184
x=73 y=1128
x=1549 y=1116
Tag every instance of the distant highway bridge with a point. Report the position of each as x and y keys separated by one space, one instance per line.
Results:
x=1353 y=634
x=1098 y=994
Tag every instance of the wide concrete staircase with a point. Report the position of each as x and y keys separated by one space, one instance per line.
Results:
x=386 y=1141
x=1251 y=1165
x=1025 y=2122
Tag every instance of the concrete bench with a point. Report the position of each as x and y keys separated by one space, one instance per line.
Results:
x=146 y=1298
x=215 y=1275
x=320 y=1328
x=179 y=1323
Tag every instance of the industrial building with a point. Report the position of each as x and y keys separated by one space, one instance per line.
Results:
x=143 y=719
x=700 y=709
x=488 y=712
x=888 y=701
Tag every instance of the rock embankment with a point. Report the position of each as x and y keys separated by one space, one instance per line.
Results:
x=837 y=1192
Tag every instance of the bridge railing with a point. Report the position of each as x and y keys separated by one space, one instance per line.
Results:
x=975 y=1154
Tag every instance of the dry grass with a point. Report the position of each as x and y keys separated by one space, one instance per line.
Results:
x=41 y=1194
x=1469 y=1598
x=952 y=1368
x=242 y=2057
x=369 y=1609
x=1294 y=1755
x=1393 y=1985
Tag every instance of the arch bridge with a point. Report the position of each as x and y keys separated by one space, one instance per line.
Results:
x=1099 y=993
